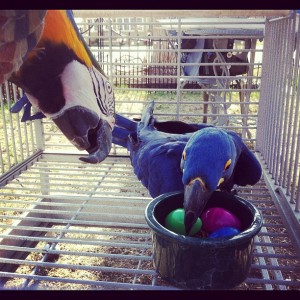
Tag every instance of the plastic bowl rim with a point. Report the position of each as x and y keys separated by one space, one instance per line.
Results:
x=240 y=238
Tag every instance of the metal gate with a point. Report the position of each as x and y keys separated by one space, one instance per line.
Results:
x=65 y=224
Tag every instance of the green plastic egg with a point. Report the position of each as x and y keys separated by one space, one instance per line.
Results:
x=175 y=222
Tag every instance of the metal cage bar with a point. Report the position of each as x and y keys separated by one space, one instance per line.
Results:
x=55 y=236
x=69 y=225
x=18 y=140
x=278 y=138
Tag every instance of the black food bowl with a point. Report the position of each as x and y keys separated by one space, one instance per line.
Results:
x=203 y=263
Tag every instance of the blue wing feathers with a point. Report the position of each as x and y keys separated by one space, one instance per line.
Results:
x=19 y=104
x=247 y=169
x=156 y=165
x=124 y=122
x=120 y=136
x=23 y=102
x=156 y=150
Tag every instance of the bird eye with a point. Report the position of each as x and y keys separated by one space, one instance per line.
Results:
x=228 y=163
x=108 y=87
x=184 y=155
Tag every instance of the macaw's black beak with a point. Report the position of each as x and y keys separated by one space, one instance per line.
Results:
x=86 y=131
x=195 y=199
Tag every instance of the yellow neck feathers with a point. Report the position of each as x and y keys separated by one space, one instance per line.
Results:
x=59 y=29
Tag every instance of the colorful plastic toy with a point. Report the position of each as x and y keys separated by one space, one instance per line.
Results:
x=215 y=218
x=224 y=232
x=175 y=222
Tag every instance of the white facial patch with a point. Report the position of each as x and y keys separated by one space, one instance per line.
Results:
x=86 y=88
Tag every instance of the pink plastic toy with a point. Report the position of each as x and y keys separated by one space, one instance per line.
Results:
x=215 y=218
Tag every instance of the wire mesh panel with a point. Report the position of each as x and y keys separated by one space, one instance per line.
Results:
x=278 y=138
x=65 y=224
x=194 y=69
x=69 y=225
x=153 y=58
x=18 y=140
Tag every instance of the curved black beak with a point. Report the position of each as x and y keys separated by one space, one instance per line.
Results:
x=195 y=199
x=102 y=140
x=86 y=131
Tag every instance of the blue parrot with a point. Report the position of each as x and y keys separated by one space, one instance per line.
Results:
x=61 y=79
x=197 y=158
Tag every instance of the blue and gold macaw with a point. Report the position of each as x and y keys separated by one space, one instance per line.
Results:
x=197 y=158
x=62 y=79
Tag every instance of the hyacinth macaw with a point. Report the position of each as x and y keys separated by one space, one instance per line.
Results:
x=199 y=159
x=61 y=79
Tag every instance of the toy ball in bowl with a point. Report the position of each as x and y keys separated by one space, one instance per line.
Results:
x=224 y=232
x=215 y=218
x=216 y=262
x=175 y=222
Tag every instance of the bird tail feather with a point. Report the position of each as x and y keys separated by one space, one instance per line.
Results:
x=147 y=116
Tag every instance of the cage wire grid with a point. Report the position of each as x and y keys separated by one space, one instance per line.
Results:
x=92 y=234
x=65 y=224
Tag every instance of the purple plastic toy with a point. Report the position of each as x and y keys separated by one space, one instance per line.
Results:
x=215 y=218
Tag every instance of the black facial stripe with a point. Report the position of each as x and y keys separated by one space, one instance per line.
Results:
x=103 y=108
x=98 y=94
x=105 y=100
x=94 y=88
